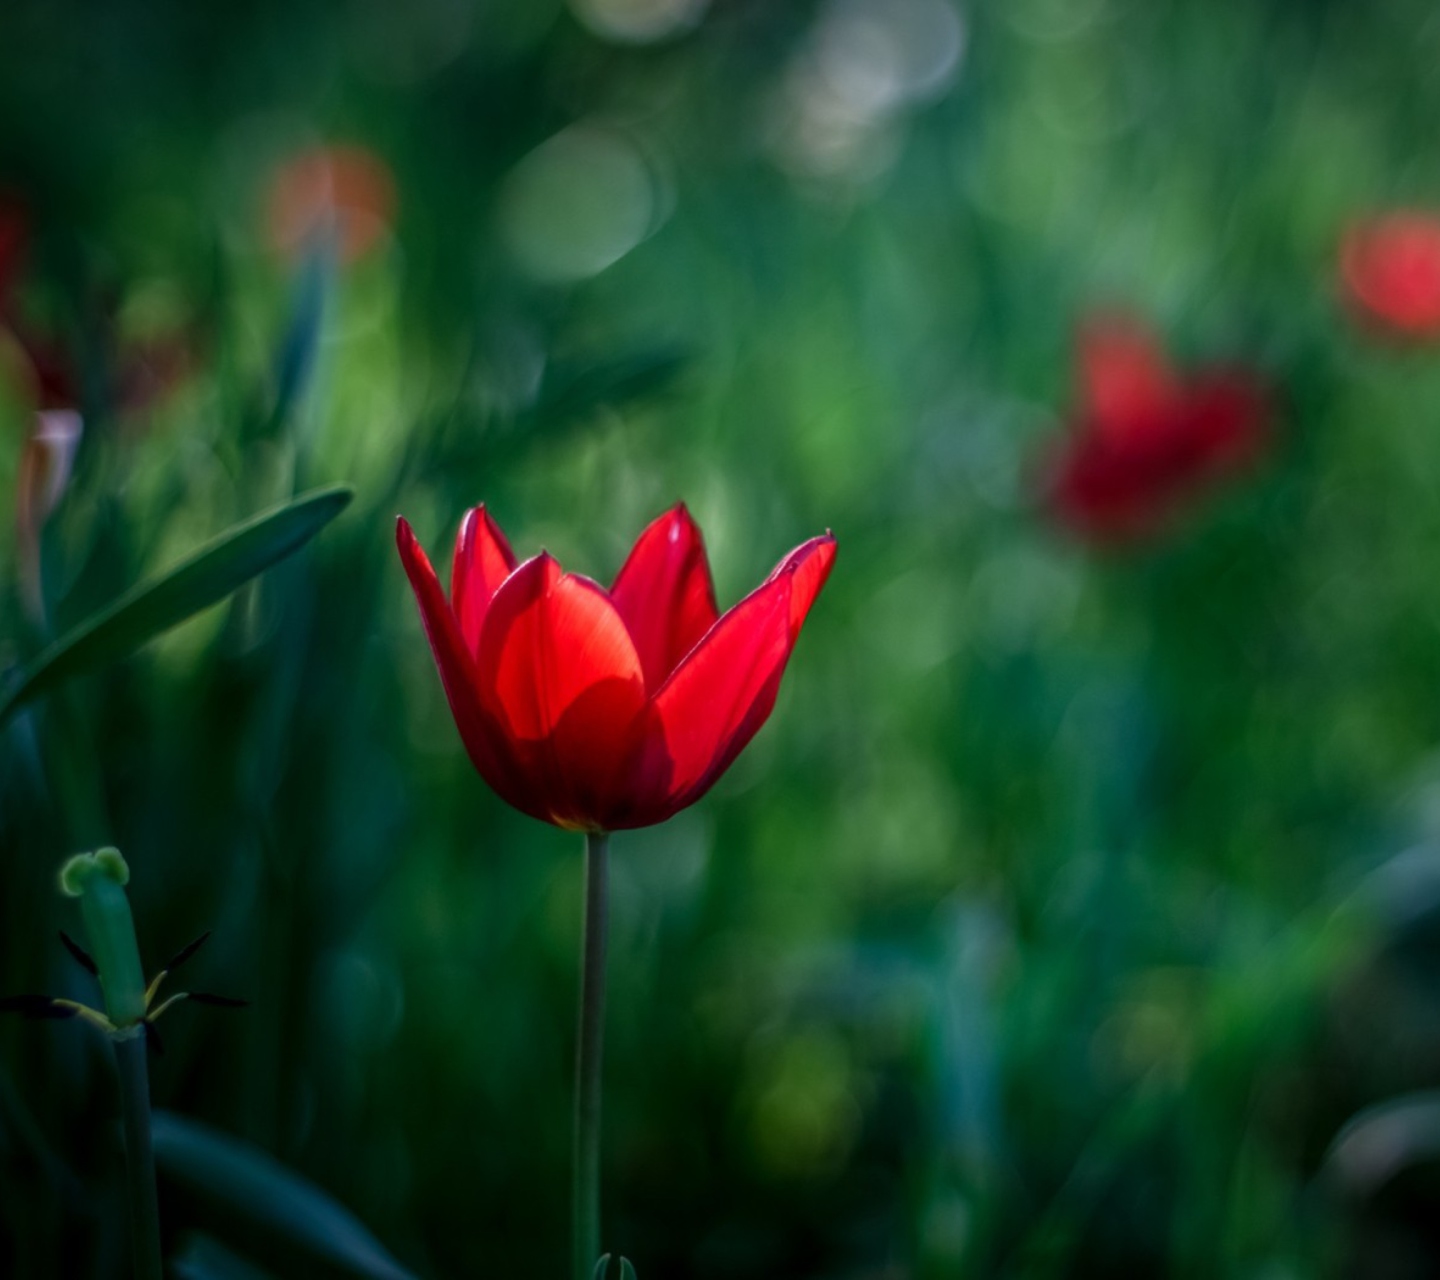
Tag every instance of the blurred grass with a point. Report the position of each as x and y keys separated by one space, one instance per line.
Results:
x=1039 y=933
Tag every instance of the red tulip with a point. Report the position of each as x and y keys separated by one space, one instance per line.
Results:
x=1390 y=267
x=601 y=710
x=1145 y=441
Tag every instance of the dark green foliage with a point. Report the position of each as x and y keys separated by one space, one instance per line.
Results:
x=153 y=607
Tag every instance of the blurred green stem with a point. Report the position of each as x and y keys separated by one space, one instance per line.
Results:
x=589 y=1049
x=139 y=1156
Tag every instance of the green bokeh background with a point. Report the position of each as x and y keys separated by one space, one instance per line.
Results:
x=1072 y=901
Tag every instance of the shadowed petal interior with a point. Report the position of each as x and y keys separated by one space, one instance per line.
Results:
x=560 y=674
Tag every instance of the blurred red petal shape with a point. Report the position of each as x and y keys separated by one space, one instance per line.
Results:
x=1390 y=266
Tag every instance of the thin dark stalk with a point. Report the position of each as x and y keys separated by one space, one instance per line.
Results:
x=589 y=1050
x=134 y=1076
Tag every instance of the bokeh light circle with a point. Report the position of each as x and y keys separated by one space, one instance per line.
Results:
x=638 y=21
x=578 y=203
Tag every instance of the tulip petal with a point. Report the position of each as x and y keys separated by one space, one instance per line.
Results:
x=559 y=673
x=808 y=566
x=482 y=737
x=665 y=594
x=483 y=560
x=722 y=693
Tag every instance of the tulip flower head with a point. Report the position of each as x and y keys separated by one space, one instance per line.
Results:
x=1390 y=268
x=600 y=710
x=1145 y=441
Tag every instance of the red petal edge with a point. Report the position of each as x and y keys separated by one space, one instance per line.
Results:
x=478 y=730
x=483 y=560
x=665 y=594
x=722 y=693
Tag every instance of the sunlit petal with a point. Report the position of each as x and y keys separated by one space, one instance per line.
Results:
x=483 y=560
x=665 y=595
x=725 y=690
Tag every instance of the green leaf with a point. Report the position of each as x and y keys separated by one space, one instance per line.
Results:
x=206 y=578
x=602 y=1267
x=262 y=1198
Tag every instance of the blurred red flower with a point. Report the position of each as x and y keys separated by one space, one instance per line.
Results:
x=1144 y=441
x=601 y=710
x=346 y=191
x=47 y=370
x=1390 y=268
x=143 y=373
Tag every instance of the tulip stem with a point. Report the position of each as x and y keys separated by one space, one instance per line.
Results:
x=589 y=1050
x=132 y=1069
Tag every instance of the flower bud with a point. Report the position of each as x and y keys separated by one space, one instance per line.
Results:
x=98 y=879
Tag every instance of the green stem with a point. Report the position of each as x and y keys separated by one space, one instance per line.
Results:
x=589 y=1049
x=131 y=1066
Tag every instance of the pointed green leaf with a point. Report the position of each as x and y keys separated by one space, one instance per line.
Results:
x=203 y=579
x=627 y=1272
x=262 y=1198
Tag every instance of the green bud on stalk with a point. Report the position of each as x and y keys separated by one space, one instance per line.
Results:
x=98 y=879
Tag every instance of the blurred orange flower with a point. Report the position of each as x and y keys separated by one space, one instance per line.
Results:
x=344 y=191
x=1145 y=441
x=1390 y=268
